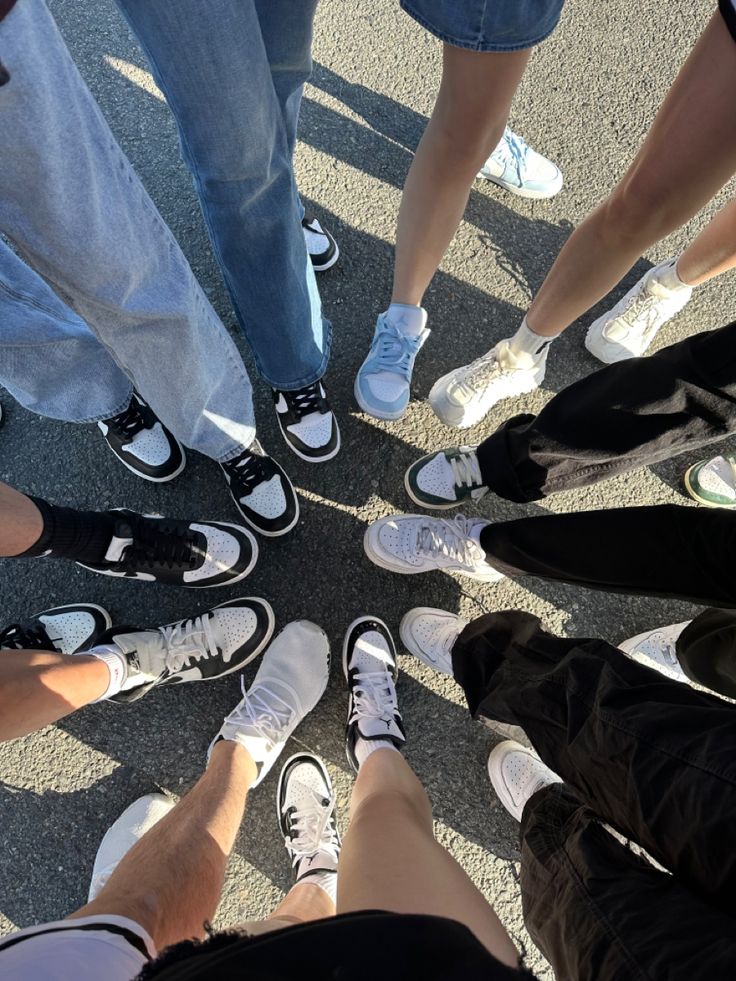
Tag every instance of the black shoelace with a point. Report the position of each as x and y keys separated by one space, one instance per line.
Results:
x=248 y=470
x=129 y=423
x=30 y=636
x=157 y=544
x=306 y=401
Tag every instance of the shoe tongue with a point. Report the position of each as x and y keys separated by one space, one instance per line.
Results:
x=383 y=727
x=514 y=360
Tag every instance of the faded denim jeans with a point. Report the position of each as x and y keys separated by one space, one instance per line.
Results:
x=232 y=72
x=107 y=301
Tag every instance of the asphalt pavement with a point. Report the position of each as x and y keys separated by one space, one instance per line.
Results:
x=587 y=100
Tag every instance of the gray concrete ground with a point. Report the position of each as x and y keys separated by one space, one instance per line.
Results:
x=587 y=100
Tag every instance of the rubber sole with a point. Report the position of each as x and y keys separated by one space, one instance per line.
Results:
x=696 y=497
x=521 y=192
x=330 y=262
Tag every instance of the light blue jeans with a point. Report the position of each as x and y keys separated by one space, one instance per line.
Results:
x=232 y=72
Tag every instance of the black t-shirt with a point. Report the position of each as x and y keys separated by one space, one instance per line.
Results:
x=364 y=946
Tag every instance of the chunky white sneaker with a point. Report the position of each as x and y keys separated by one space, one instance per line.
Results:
x=658 y=649
x=410 y=543
x=429 y=634
x=445 y=479
x=64 y=629
x=627 y=330
x=291 y=679
x=464 y=396
x=370 y=669
x=516 y=774
x=514 y=166
x=305 y=804
x=129 y=828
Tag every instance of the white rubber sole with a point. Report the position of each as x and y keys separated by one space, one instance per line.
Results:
x=349 y=630
x=696 y=497
x=331 y=262
x=312 y=459
x=375 y=413
x=522 y=192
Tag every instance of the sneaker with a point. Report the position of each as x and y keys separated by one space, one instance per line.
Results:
x=658 y=649
x=445 y=479
x=464 y=396
x=514 y=166
x=178 y=553
x=382 y=385
x=627 y=330
x=64 y=629
x=129 y=828
x=305 y=804
x=429 y=634
x=262 y=492
x=516 y=774
x=321 y=246
x=713 y=482
x=290 y=681
x=409 y=543
x=203 y=648
x=142 y=443
x=370 y=669
x=307 y=423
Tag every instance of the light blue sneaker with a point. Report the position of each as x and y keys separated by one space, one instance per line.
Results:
x=383 y=381
x=514 y=166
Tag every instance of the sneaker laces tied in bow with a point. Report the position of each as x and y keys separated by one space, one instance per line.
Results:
x=191 y=639
x=394 y=350
x=263 y=711
x=306 y=401
x=449 y=538
x=312 y=829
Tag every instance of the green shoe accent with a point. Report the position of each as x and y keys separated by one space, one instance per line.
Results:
x=720 y=470
x=446 y=478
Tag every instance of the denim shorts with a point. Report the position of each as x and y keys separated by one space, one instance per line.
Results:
x=487 y=25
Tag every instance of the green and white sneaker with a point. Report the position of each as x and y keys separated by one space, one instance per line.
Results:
x=445 y=479
x=713 y=482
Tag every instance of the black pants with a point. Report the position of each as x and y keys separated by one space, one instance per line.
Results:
x=652 y=758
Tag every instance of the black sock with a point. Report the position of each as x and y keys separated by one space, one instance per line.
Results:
x=84 y=536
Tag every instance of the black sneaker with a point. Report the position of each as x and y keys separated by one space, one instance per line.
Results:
x=321 y=246
x=262 y=491
x=64 y=629
x=142 y=443
x=305 y=802
x=308 y=423
x=370 y=668
x=198 y=554
x=203 y=648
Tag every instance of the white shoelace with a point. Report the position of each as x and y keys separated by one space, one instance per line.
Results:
x=263 y=711
x=641 y=305
x=449 y=538
x=374 y=697
x=466 y=470
x=313 y=830
x=190 y=639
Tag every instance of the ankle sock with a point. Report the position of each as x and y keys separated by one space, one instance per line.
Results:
x=325 y=880
x=364 y=748
x=117 y=666
x=410 y=320
x=83 y=536
x=669 y=277
x=525 y=341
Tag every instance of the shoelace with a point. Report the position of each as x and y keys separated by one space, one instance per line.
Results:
x=156 y=544
x=669 y=652
x=248 y=470
x=312 y=829
x=466 y=469
x=394 y=351
x=306 y=401
x=26 y=636
x=449 y=538
x=263 y=710
x=374 y=697
x=514 y=150
x=130 y=422
x=190 y=639
x=638 y=306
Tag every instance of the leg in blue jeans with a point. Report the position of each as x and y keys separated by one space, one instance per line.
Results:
x=73 y=206
x=237 y=117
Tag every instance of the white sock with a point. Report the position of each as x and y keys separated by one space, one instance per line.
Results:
x=117 y=665
x=325 y=880
x=364 y=747
x=525 y=341
x=669 y=277
x=410 y=320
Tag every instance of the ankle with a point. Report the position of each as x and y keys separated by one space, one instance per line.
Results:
x=407 y=318
x=528 y=341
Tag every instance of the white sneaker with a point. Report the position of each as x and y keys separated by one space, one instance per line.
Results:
x=409 y=543
x=657 y=649
x=429 y=634
x=305 y=803
x=514 y=166
x=464 y=396
x=129 y=828
x=291 y=679
x=627 y=330
x=516 y=774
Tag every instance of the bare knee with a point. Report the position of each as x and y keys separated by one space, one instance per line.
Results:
x=639 y=210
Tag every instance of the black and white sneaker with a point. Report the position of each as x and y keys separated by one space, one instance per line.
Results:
x=305 y=804
x=142 y=443
x=198 y=554
x=370 y=668
x=203 y=648
x=308 y=423
x=64 y=629
x=262 y=492
x=321 y=246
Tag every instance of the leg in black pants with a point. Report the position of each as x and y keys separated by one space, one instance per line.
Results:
x=654 y=759
x=706 y=649
x=624 y=416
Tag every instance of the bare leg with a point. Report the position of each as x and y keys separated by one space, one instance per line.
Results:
x=664 y=187
x=20 y=522
x=390 y=859
x=467 y=122
x=303 y=902
x=713 y=251
x=40 y=687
